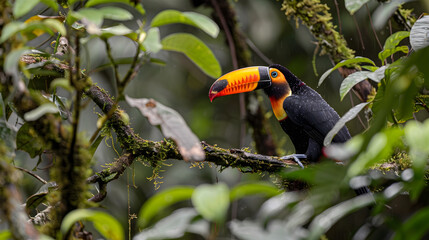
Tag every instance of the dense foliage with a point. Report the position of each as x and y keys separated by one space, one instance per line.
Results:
x=73 y=72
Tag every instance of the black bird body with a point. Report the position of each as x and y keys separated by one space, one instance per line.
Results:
x=309 y=117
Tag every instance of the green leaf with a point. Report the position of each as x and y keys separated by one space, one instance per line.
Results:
x=388 y=52
x=11 y=29
x=391 y=43
x=51 y=3
x=39 y=197
x=116 y=13
x=172 y=126
x=190 y=18
x=324 y=221
x=345 y=63
x=247 y=189
x=152 y=42
x=90 y=14
x=415 y=227
x=22 y=7
x=353 y=5
x=350 y=81
x=195 y=50
x=29 y=141
x=352 y=113
x=212 y=201
x=274 y=230
x=40 y=111
x=47 y=25
x=417 y=137
x=12 y=60
x=105 y=224
x=91 y=3
x=379 y=148
x=384 y=11
x=55 y=25
x=377 y=74
x=118 y=30
x=276 y=204
x=161 y=201
x=5 y=235
x=419 y=33
x=173 y=226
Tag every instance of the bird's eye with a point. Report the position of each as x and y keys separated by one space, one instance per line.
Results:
x=274 y=74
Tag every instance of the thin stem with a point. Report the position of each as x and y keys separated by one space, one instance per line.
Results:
x=78 y=99
x=258 y=52
x=131 y=72
x=115 y=66
x=338 y=16
x=372 y=26
x=32 y=174
x=359 y=33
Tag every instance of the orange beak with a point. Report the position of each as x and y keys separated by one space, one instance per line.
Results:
x=241 y=80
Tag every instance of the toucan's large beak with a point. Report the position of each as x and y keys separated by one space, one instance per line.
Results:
x=241 y=80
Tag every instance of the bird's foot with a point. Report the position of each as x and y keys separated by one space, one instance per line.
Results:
x=296 y=158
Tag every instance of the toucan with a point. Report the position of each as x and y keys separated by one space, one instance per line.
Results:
x=302 y=113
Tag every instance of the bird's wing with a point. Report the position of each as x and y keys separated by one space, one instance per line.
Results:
x=315 y=116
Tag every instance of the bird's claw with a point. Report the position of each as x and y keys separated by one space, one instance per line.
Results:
x=296 y=158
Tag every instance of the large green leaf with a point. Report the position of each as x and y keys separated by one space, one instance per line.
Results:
x=345 y=63
x=91 y=3
x=116 y=13
x=247 y=189
x=172 y=126
x=419 y=33
x=195 y=50
x=152 y=42
x=162 y=200
x=105 y=224
x=353 y=5
x=350 y=81
x=417 y=137
x=51 y=3
x=22 y=7
x=212 y=201
x=173 y=226
x=379 y=148
x=384 y=11
x=391 y=45
x=415 y=227
x=352 y=113
x=40 y=111
x=190 y=18
x=324 y=221
x=49 y=26
x=90 y=14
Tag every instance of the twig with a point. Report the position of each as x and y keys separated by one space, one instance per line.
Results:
x=32 y=174
x=112 y=60
x=359 y=33
x=258 y=52
x=130 y=74
x=372 y=27
x=340 y=28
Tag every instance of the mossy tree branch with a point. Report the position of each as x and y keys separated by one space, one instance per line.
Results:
x=135 y=147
